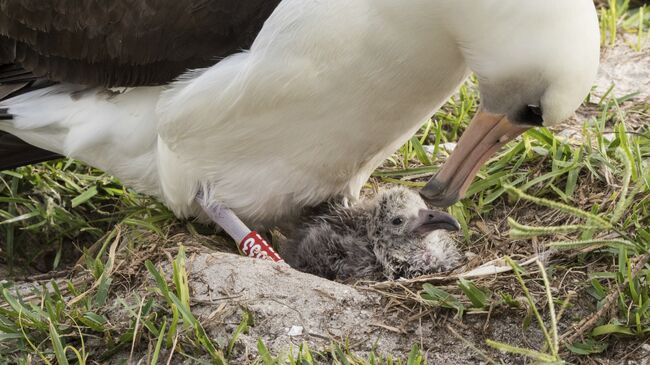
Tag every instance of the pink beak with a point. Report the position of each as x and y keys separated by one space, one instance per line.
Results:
x=486 y=134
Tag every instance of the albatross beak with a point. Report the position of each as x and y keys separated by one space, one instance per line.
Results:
x=431 y=220
x=486 y=134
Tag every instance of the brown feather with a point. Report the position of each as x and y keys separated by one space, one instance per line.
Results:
x=126 y=42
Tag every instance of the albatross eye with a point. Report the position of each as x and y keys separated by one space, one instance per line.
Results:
x=397 y=221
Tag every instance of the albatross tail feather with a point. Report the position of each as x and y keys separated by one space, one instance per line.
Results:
x=15 y=152
x=111 y=130
x=5 y=115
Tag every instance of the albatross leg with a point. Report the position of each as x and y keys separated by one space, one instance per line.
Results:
x=250 y=242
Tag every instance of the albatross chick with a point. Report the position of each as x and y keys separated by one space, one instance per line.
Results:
x=390 y=236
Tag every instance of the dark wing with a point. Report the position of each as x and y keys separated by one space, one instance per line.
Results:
x=124 y=42
x=16 y=153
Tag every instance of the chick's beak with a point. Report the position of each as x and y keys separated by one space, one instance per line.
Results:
x=486 y=134
x=432 y=220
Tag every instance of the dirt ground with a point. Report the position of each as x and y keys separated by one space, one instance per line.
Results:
x=627 y=69
x=290 y=308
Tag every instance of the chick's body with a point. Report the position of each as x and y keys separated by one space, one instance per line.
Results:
x=389 y=236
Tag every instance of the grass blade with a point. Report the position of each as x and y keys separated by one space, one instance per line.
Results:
x=59 y=352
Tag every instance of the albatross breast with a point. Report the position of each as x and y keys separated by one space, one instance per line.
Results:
x=293 y=124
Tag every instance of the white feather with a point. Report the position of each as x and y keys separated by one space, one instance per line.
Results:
x=328 y=90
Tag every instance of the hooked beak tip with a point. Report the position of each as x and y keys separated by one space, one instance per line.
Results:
x=430 y=220
x=434 y=193
x=454 y=226
x=485 y=135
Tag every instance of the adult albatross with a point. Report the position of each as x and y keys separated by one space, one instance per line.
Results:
x=325 y=92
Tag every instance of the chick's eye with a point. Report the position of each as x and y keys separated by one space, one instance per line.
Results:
x=397 y=221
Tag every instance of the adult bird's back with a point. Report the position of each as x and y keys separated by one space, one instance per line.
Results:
x=270 y=106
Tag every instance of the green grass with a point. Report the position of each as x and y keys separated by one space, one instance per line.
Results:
x=56 y=329
x=617 y=18
x=51 y=206
x=587 y=201
x=543 y=174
